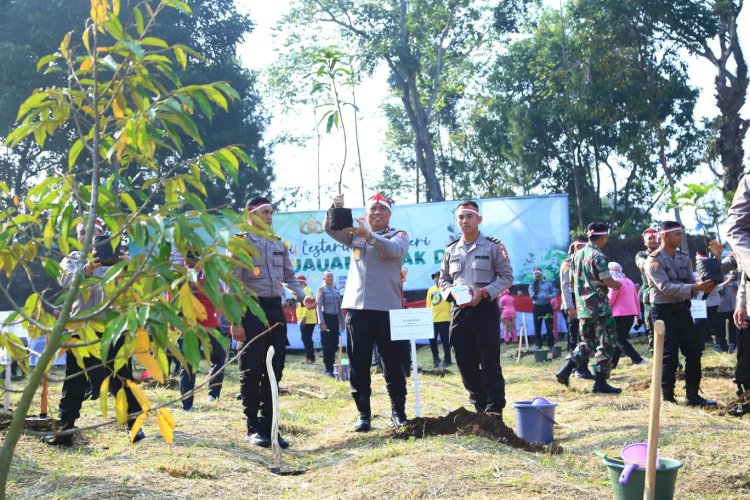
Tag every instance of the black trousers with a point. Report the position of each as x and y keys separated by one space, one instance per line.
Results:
x=718 y=323
x=623 y=325
x=441 y=329
x=365 y=328
x=543 y=312
x=187 y=377
x=681 y=335
x=255 y=386
x=329 y=340
x=476 y=344
x=742 y=371
x=74 y=387
x=573 y=326
x=307 y=329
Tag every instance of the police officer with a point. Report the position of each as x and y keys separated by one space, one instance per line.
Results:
x=568 y=305
x=481 y=263
x=651 y=241
x=331 y=318
x=373 y=287
x=738 y=236
x=669 y=272
x=271 y=268
x=591 y=279
x=74 y=386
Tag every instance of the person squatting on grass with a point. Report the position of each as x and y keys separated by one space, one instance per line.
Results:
x=480 y=263
x=74 y=386
x=591 y=279
x=272 y=268
x=373 y=287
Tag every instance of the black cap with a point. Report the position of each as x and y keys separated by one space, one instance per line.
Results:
x=433 y=275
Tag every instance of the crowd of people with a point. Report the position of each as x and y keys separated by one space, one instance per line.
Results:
x=472 y=308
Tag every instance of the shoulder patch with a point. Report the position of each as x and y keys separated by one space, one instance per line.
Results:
x=503 y=251
x=401 y=234
x=653 y=263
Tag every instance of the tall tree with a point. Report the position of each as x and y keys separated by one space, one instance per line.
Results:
x=421 y=41
x=708 y=29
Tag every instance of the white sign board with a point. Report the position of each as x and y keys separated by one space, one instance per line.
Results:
x=411 y=324
x=698 y=309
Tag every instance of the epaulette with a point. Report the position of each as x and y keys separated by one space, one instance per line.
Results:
x=453 y=242
x=241 y=235
x=680 y=251
x=655 y=253
x=494 y=240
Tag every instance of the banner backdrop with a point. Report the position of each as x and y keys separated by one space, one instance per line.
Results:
x=534 y=229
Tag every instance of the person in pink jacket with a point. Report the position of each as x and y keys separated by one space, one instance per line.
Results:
x=625 y=308
x=508 y=315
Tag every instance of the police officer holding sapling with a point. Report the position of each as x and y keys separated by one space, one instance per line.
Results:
x=475 y=270
x=373 y=287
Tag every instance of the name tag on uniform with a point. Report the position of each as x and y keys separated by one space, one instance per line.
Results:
x=698 y=309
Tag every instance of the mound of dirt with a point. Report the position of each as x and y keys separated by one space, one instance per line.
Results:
x=462 y=422
x=32 y=423
x=718 y=371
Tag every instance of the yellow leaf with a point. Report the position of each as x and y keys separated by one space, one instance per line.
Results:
x=166 y=430
x=121 y=407
x=99 y=12
x=87 y=63
x=150 y=364
x=103 y=396
x=191 y=307
x=168 y=417
x=141 y=341
x=118 y=106
x=65 y=44
x=139 y=395
x=161 y=357
x=137 y=425
x=49 y=233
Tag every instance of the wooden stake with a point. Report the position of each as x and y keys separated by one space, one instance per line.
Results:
x=653 y=424
x=275 y=448
x=341 y=368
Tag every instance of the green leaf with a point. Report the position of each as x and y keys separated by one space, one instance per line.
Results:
x=215 y=96
x=75 y=150
x=180 y=56
x=154 y=42
x=32 y=102
x=139 y=26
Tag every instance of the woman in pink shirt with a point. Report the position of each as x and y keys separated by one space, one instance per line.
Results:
x=508 y=315
x=625 y=308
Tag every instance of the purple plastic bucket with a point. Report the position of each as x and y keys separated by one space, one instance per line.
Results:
x=535 y=420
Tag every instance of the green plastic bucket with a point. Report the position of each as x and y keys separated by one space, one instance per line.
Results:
x=666 y=479
x=541 y=355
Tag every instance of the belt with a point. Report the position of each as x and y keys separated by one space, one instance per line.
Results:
x=685 y=304
x=269 y=301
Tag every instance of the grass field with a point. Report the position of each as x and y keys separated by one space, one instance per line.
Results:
x=210 y=457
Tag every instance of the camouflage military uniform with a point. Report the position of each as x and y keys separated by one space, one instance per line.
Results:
x=594 y=312
x=643 y=295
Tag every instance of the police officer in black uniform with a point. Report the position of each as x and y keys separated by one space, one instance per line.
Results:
x=480 y=263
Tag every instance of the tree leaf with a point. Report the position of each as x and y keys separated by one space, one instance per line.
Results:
x=75 y=150
x=121 y=407
x=137 y=424
x=103 y=393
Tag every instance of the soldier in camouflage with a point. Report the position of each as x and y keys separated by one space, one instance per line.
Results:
x=651 y=241
x=568 y=305
x=591 y=279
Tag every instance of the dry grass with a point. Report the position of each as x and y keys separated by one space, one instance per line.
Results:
x=210 y=457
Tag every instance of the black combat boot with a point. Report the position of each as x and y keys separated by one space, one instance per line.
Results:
x=563 y=376
x=398 y=412
x=667 y=394
x=695 y=399
x=64 y=440
x=602 y=387
x=365 y=414
x=257 y=433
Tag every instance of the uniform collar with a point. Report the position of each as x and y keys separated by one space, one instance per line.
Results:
x=475 y=243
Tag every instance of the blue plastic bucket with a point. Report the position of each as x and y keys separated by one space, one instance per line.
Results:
x=535 y=421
